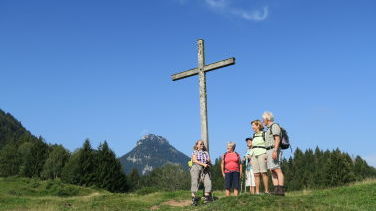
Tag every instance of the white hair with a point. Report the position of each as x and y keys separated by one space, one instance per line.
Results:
x=267 y=115
x=231 y=144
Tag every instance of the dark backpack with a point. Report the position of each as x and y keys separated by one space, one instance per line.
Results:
x=285 y=140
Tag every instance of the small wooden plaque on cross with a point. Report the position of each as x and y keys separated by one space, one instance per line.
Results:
x=201 y=70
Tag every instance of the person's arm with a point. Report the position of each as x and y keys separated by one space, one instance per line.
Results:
x=223 y=166
x=277 y=141
x=241 y=169
x=194 y=160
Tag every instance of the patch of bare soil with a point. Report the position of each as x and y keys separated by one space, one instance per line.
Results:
x=155 y=207
x=173 y=203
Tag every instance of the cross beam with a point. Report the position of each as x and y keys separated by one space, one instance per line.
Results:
x=207 y=68
x=201 y=71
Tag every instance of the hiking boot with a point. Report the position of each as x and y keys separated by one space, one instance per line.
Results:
x=275 y=191
x=280 y=191
x=208 y=199
x=195 y=201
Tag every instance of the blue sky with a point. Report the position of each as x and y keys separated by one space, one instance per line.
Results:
x=101 y=70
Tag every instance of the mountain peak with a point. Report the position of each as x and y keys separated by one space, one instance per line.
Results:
x=152 y=151
x=152 y=139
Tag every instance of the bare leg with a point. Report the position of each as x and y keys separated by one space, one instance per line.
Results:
x=252 y=189
x=280 y=176
x=228 y=192
x=236 y=192
x=257 y=181
x=265 y=180
x=274 y=177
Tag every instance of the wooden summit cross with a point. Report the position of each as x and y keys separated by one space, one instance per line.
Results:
x=201 y=71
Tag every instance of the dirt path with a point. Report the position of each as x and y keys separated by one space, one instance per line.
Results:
x=173 y=203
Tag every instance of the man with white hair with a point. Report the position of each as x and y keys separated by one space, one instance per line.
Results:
x=274 y=155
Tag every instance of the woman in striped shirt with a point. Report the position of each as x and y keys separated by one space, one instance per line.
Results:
x=200 y=172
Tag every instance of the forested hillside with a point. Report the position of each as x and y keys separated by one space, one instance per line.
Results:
x=11 y=130
x=22 y=154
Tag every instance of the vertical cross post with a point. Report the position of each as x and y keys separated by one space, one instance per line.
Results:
x=201 y=71
x=203 y=103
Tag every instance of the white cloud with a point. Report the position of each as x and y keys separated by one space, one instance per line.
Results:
x=217 y=3
x=254 y=15
x=225 y=7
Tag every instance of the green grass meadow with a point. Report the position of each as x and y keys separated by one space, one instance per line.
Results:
x=33 y=194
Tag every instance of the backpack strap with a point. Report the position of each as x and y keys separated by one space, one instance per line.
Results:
x=263 y=135
x=271 y=128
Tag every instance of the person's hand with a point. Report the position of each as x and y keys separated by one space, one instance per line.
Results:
x=274 y=155
x=223 y=174
x=241 y=174
x=205 y=165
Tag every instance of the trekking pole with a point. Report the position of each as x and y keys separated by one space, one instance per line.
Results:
x=241 y=184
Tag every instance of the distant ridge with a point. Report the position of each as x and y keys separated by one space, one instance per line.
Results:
x=11 y=130
x=151 y=152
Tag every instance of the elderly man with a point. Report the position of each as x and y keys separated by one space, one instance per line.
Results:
x=274 y=154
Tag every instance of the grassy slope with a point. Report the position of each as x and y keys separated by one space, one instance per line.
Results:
x=22 y=193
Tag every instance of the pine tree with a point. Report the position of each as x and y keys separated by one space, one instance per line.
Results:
x=109 y=173
x=81 y=167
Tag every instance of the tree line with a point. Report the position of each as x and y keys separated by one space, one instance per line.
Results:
x=22 y=154
x=310 y=169
x=85 y=166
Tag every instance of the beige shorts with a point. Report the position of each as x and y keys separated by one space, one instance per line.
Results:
x=259 y=163
x=273 y=164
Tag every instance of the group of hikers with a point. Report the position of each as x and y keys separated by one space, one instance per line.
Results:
x=263 y=154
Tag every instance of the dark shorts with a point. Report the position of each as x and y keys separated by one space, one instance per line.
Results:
x=232 y=180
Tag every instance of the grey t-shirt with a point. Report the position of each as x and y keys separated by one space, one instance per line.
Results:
x=269 y=136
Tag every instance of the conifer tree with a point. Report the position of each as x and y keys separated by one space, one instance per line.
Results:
x=80 y=169
x=88 y=164
x=109 y=174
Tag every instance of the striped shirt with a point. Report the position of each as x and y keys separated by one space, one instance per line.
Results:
x=201 y=156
